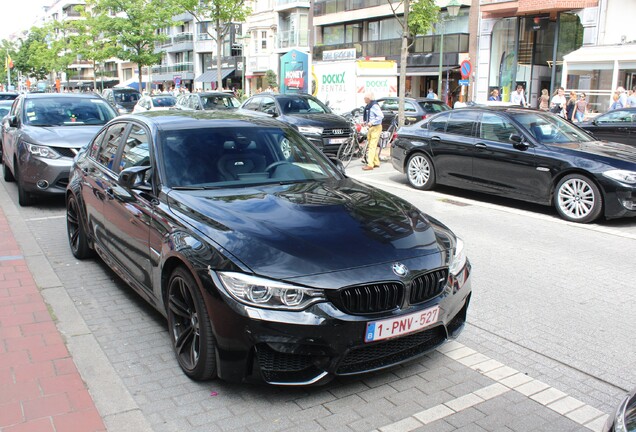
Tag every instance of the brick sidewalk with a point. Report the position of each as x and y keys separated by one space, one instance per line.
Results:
x=40 y=387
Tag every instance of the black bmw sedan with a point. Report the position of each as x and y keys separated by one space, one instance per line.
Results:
x=522 y=154
x=268 y=262
x=618 y=125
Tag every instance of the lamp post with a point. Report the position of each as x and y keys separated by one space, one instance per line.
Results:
x=453 y=10
x=245 y=43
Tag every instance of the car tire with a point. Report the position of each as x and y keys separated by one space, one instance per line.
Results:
x=6 y=172
x=578 y=199
x=24 y=198
x=420 y=171
x=77 y=237
x=190 y=328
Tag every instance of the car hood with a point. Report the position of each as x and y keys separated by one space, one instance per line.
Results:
x=324 y=120
x=606 y=149
x=60 y=136
x=310 y=228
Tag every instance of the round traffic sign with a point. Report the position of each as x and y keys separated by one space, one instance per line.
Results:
x=465 y=68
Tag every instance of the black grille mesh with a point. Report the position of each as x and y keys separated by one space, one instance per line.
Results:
x=282 y=367
x=428 y=286
x=382 y=354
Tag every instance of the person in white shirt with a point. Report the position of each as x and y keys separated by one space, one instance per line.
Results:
x=518 y=97
x=558 y=102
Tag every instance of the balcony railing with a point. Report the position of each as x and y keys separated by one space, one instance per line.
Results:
x=177 y=67
x=324 y=7
x=282 y=4
x=390 y=48
x=292 y=39
x=176 y=39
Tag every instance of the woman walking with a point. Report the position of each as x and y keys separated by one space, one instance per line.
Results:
x=544 y=100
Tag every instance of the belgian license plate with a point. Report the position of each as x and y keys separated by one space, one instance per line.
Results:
x=337 y=140
x=378 y=330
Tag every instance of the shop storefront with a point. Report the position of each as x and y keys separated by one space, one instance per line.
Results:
x=598 y=71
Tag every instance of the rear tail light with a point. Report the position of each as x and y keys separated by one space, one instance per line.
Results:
x=424 y=116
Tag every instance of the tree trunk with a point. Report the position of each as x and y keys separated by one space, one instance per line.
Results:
x=141 y=88
x=219 y=51
x=94 y=76
x=403 y=55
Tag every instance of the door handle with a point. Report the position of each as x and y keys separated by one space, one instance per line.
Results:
x=436 y=138
x=481 y=146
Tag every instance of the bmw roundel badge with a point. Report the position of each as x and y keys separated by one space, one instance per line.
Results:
x=400 y=269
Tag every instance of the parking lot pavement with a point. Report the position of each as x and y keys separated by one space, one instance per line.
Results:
x=122 y=350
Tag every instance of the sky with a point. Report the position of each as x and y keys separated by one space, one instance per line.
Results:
x=19 y=15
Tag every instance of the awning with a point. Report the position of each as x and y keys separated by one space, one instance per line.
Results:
x=210 y=76
x=602 y=53
x=426 y=70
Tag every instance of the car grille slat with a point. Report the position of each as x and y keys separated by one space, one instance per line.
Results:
x=66 y=152
x=427 y=286
x=369 y=299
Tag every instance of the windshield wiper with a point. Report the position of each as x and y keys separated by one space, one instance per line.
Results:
x=186 y=188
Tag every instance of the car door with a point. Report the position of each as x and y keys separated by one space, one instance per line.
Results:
x=613 y=126
x=452 y=143
x=127 y=212
x=502 y=165
x=11 y=132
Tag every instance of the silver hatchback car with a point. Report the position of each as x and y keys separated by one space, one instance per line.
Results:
x=42 y=134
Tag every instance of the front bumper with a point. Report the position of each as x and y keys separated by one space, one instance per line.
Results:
x=620 y=202
x=44 y=176
x=316 y=344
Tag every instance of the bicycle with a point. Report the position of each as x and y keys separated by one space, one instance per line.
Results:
x=354 y=146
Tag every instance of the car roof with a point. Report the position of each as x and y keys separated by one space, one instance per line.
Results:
x=411 y=99
x=62 y=95
x=216 y=93
x=178 y=120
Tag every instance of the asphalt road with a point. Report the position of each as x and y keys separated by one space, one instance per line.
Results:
x=548 y=345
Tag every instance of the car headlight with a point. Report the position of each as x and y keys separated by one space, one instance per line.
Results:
x=311 y=130
x=622 y=176
x=269 y=294
x=625 y=420
x=458 y=261
x=42 y=151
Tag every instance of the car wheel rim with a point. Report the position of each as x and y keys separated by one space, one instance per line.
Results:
x=419 y=171
x=185 y=323
x=576 y=198
x=72 y=224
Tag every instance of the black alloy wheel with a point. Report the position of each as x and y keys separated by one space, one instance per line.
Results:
x=77 y=238
x=190 y=328
x=24 y=198
x=420 y=172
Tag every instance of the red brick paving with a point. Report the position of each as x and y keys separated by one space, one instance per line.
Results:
x=40 y=387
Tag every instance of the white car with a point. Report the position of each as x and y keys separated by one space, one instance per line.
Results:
x=155 y=103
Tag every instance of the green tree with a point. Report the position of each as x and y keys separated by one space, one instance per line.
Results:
x=133 y=27
x=222 y=14
x=271 y=78
x=92 y=45
x=417 y=18
x=33 y=57
x=62 y=48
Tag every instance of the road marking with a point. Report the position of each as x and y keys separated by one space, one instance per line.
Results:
x=45 y=218
x=368 y=178
x=506 y=379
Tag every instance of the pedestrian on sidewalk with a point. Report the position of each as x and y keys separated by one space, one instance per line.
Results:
x=373 y=119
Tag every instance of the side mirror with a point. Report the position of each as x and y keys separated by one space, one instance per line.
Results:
x=13 y=121
x=133 y=178
x=339 y=166
x=518 y=142
x=271 y=111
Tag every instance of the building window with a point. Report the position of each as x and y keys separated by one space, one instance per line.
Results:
x=264 y=41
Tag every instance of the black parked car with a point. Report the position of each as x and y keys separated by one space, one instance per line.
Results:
x=268 y=262
x=42 y=134
x=522 y=154
x=414 y=109
x=123 y=99
x=618 y=126
x=306 y=114
x=9 y=95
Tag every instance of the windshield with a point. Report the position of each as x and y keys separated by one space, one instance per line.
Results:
x=241 y=156
x=126 y=96
x=432 y=107
x=67 y=111
x=551 y=129
x=212 y=102
x=301 y=105
x=163 y=101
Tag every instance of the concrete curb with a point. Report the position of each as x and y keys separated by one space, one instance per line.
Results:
x=117 y=407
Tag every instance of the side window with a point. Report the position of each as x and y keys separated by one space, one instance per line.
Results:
x=110 y=144
x=94 y=150
x=253 y=104
x=195 y=103
x=16 y=108
x=438 y=124
x=462 y=122
x=268 y=105
x=136 y=149
x=618 y=116
x=389 y=105
x=409 y=107
x=497 y=128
